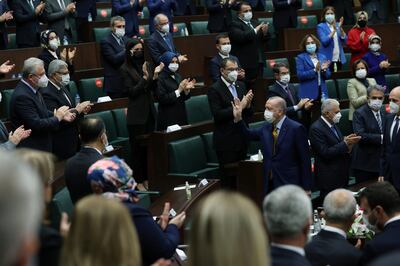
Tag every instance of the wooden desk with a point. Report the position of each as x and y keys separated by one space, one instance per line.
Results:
x=250 y=180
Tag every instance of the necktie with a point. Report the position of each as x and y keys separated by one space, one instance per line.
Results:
x=289 y=94
x=233 y=91
x=66 y=96
x=121 y=42
x=168 y=42
x=335 y=131
x=378 y=118
x=30 y=2
x=275 y=134
x=61 y=4
x=395 y=128
x=250 y=25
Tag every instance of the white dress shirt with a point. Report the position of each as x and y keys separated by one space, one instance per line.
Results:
x=298 y=250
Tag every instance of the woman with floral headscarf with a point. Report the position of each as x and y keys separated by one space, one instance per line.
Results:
x=112 y=178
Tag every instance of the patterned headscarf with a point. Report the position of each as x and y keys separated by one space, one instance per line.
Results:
x=115 y=177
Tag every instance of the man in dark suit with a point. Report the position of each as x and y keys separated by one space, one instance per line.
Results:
x=223 y=45
x=128 y=9
x=285 y=15
x=220 y=14
x=369 y=123
x=344 y=8
x=390 y=166
x=284 y=89
x=85 y=12
x=247 y=37
x=28 y=14
x=112 y=50
x=28 y=107
x=55 y=95
x=330 y=246
x=227 y=137
x=60 y=16
x=257 y=5
x=285 y=147
x=287 y=212
x=332 y=151
x=185 y=8
x=381 y=205
x=6 y=15
x=92 y=133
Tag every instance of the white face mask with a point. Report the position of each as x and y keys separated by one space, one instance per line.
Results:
x=269 y=116
x=65 y=80
x=375 y=47
x=375 y=104
x=285 y=79
x=165 y=28
x=54 y=44
x=394 y=107
x=330 y=18
x=336 y=118
x=120 y=32
x=226 y=49
x=43 y=81
x=361 y=73
x=247 y=16
x=173 y=67
x=1 y=96
x=232 y=76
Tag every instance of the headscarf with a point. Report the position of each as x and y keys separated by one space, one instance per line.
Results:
x=166 y=58
x=115 y=177
x=136 y=63
x=44 y=37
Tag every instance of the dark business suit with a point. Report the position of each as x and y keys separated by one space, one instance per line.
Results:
x=344 y=8
x=332 y=157
x=65 y=139
x=158 y=44
x=367 y=153
x=29 y=109
x=185 y=7
x=47 y=57
x=383 y=243
x=76 y=172
x=3 y=29
x=285 y=257
x=331 y=248
x=4 y=142
x=219 y=16
x=50 y=246
x=27 y=23
x=276 y=89
x=392 y=259
x=113 y=56
x=285 y=15
x=124 y=9
x=215 y=65
x=60 y=21
x=83 y=8
x=390 y=166
x=257 y=5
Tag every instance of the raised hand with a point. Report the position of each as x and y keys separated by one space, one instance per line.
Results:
x=69 y=116
x=6 y=16
x=236 y=110
x=178 y=220
x=164 y=217
x=18 y=135
x=84 y=107
x=39 y=8
x=61 y=112
x=182 y=58
x=6 y=67
x=158 y=70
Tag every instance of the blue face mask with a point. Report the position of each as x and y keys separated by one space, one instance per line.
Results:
x=311 y=48
x=330 y=18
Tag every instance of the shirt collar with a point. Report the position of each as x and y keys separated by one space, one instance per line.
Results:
x=335 y=230
x=298 y=250
x=396 y=218
x=116 y=37
x=55 y=85
x=279 y=124
x=93 y=148
x=245 y=22
x=27 y=84
x=326 y=121
x=226 y=82
x=223 y=56
x=163 y=34
x=53 y=53
x=281 y=84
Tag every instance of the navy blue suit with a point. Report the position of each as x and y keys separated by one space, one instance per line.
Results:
x=29 y=109
x=285 y=14
x=157 y=45
x=285 y=257
x=215 y=65
x=158 y=6
x=258 y=5
x=124 y=9
x=291 y=161
x=220 y=16
x=84 y=7
x=277 y=90
x=390 y=166
x=185 y=7
x=3 y=30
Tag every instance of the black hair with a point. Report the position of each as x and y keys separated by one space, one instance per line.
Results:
x=384 y=195
x=91 y=128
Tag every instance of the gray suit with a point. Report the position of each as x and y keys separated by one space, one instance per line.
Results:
x=4 y=142
x=58 y=19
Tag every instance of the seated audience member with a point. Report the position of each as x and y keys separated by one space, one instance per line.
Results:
x=60 y=16
x=284 y=89
x=220 y=14
x=378 y=62
x=140 y=81
x=128 y=9
x=312 y=69
x=161 y=41
x=101 y=234
x=357 y=86
x=330 y=246
x=369 y=124
x=287 y=212
x=381 y=205
x=377 y=10
x=344 y=8
x=331 y=149
x=92 y=134
x=332 y=38
x=28 y=15
x=6 y=15
x=157 y=7
x=223 y=45
x=28 y=107
x=112 y=49
x=55 y=95
x=112 y=177
x=225 y=217
x=50 y=43
x=357 y=37
x=172 y=92
x=21 y=211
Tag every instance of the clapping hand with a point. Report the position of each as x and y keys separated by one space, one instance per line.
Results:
x=246 y=100
x=69 y=116
x=362 y=36
x=236 y=110
x=325 y=65
x=158 y=70
x=309 y=104
x=18 y=135
x=384 y=64
x=39 y=8
x=6 y=67
x=341 y=22
x=70 y=8
x=84 y=107
x=6 y=16
x=351 y=140
x=182 y=58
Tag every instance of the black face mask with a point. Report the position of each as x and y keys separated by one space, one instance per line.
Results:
x=362 y=23
x=138 y=54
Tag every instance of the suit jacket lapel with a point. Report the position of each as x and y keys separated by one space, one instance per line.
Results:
x=282 y=133
x=162 y=41
x=329 y=132
x=308 y=59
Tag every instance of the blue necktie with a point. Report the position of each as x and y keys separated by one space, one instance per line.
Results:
x=335 y=132
x=168 y=42
x=232 y=89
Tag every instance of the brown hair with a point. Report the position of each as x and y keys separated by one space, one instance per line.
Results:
x=354 y=66
x=302 y=45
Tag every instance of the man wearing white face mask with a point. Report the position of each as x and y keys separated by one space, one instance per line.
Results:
x=369 y=122
x=331 y=149
x=29 y=109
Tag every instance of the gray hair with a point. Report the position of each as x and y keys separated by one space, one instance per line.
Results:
x=339 y=206
x=30 y=66
x=328 y=105
x=280 y=101
x=115 y=19
x=158 y=17
x=56 y=66
x=375 y=87
x=287 y=210
x=21 y=206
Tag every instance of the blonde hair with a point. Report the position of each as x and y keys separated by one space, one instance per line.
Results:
x=227 y=229
x=102 y=234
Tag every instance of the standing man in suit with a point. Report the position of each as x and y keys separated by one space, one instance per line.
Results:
x=369 y=123
x=285 y=146
x=185 y=8
x=92 y=133
x=60 y=16
x=285 y=16
x=5 y=16
x=112 y=50
x=85 y=12
x=228 y=141
x=331 y=149
x=220 y=14
x=28 y=14
x=287 y=213
x=344 y=8
x=284 y=89
x=381 y=205
x=247 y=37
x=28 y=107
x=128 y=9
x=166 y=7
x=330 y=246
x=390 y=167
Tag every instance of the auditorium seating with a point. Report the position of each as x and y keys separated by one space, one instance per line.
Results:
x=307 y=22
x=312 y=4
x=60 y=203
x=268 y=69
x=269 y=6
x=198 y=109
x=392 y=81
x=331 y=87
x=100 y=33
x=208 y=144
x=199 y=27
x=254 y=146
x=91 y=89
x=73 y=89
x=5 y=103
x=120 y=122
x=12 y=42
x=103 y=14
x=145 y=12
x=346 y=66
x=180 y=29
x=342 y=88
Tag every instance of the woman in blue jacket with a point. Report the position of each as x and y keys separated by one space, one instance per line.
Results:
x=332 y=38
x=312 y=69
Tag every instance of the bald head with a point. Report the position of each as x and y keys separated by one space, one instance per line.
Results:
x=394 y=98
x=160 y=20
x=340 y=206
